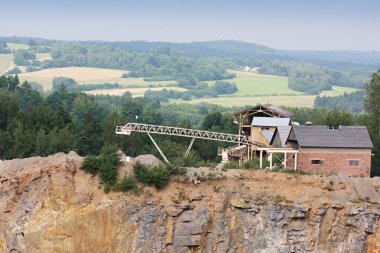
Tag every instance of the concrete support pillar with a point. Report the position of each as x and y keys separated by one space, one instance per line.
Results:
x=285 y=158
x=261 y=159
x=295 y=161
x=270 y=161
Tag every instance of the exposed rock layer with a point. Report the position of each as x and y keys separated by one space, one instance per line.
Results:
x=49 y=205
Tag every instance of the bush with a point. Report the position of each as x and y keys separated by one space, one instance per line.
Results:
x=14 y=71
x=126 y=184
x=158 y=176
x=91 y=164
x=222 y=87
x=109 y=161
x=105 y=165
x=232 y=165
x=141 y=172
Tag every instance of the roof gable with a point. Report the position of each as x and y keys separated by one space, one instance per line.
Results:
x=281 y=136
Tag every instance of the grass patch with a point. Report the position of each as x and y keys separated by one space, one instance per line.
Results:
x=255 y=164
x=281 y=199
x=5 y=62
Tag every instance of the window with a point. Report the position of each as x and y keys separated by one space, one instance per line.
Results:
x=317 y=161
x=353 y=162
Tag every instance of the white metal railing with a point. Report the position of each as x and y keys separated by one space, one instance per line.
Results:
x=178 y=131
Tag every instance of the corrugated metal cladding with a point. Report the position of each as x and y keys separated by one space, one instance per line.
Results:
x=283 y=133
x=269 y=122
x=267 y=134
x=323 y=137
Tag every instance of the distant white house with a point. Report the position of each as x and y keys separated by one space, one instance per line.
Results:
x=250 y=69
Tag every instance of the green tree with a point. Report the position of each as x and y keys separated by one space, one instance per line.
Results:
x=372 y=100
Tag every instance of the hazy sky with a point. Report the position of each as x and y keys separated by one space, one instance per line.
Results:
x=285 y=24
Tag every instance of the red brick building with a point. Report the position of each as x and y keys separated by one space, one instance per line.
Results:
x=345 y=151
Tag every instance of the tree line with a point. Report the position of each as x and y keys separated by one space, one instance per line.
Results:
x=32 y=124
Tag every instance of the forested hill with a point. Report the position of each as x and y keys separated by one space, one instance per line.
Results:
x=308 y=71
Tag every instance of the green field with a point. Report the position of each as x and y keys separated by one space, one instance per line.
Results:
x=257 y=88
x=252 y=84
x=5 y=62
x=14 y=46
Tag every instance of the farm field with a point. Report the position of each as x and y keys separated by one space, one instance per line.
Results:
x=337 y=90
x=14 y=46
x=86 y=75
x=293 y=101
x=136 y=92
x=257 y=88
x=253 y=88
x=6 y=61
x=253 y=84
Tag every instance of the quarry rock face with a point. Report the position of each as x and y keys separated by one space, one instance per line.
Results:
x=50 y=205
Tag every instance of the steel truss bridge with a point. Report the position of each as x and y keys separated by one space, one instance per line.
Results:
x=183 y=132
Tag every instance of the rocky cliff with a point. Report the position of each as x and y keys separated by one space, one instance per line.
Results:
x=50 y=205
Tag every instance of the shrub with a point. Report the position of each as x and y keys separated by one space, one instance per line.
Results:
x=126 y=184
x=14 y=71
x=91 y=164
x=158 y=176
x=223 y=87
x=105 y=165
x=141 y=172
x=232 y=165
x=109 y=161
x=255 y=164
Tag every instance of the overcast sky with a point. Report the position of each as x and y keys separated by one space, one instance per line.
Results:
x=282 y=24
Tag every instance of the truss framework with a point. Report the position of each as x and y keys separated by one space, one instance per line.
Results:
x=178 y=131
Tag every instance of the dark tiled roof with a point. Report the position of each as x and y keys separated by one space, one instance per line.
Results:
x=323 y=137
x=269 y=107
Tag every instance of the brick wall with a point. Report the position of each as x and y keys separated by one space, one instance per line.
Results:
x=334 y=161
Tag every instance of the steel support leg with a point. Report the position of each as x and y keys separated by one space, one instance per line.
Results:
x=189 y=148
x=159 y=150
